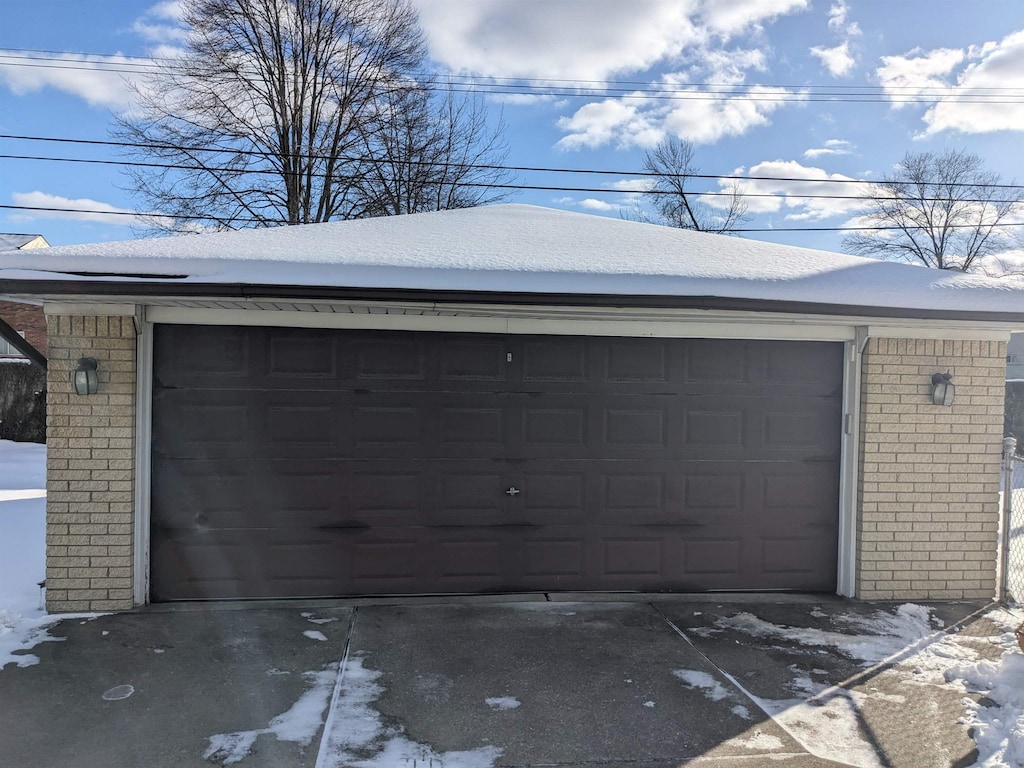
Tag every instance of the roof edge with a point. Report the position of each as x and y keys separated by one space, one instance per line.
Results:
x=245 y=291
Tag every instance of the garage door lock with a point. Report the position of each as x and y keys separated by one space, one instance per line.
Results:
x=512 y=491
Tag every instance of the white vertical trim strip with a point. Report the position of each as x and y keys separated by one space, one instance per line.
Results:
x=846 y=577
x=143 y=454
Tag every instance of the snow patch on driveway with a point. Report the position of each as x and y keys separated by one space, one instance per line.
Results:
x=313 y=634
x=357 y=735
x=298 y=724
x=695 y=679
x=502 y=703
x=874 y=638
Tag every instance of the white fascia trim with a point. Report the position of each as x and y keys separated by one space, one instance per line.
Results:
x=593 y=325
x=143 y=454
x=937 y=331
x=98 y=310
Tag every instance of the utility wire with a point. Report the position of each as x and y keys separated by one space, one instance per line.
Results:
x=767 y=94
x=152 y=63
x=474 y=166
x=797 y=97
x=510 y=186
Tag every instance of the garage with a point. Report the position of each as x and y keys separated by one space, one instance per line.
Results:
x=292 y=462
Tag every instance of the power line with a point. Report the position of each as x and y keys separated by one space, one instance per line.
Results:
x=680 y=92
x=151 y=62
x=475 y=166
x=510 y=186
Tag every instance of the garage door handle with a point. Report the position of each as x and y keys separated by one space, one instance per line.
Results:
x=512 y=491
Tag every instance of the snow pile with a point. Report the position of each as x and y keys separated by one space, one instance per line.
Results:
x=998 y=726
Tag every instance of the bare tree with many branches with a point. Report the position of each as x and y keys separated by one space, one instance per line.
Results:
x=943 y=210
x=672 y=170
x=288 y=111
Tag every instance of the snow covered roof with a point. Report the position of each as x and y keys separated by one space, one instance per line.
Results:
x=507 y=249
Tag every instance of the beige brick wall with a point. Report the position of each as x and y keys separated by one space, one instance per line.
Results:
x=929 y=474
x=90 y=464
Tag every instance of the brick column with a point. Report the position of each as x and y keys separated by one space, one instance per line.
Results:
x=928 y=499
x=90 y=463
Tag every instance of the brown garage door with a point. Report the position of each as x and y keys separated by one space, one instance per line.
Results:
x=293 y=462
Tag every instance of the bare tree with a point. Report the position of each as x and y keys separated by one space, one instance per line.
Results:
x=671 y=164
x=939 y=210
x=269 y=114
x=428 y=154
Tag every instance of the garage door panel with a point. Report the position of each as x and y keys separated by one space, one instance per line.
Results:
x=291 y=462
x=628 y=362
x=216 y=356
x=207 y=495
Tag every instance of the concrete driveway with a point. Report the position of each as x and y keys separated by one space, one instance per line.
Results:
x=661 y=681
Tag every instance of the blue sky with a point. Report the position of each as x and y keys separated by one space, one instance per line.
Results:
x=817 y=89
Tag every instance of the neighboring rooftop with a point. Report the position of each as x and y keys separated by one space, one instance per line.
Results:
x=19 y=242
x=506 y=249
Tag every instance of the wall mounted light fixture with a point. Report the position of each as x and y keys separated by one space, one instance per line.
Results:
x=84 y=378
x=943 y=390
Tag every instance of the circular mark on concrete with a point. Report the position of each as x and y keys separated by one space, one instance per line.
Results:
x=119 y=692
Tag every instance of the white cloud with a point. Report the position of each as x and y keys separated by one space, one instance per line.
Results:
x=87 y=77
x=830 y=147
x=629 y=185
x=590 y=43
x=634 y=122
x=725 y=66
x=567 y=39
x=559 y=39
x=732 y=17
x=837 y=15
x=597 y=205
x=836 y=60
x=995 y=65
x=915 y=72
x=791 y=196
x=75 y=209
x=162 y=23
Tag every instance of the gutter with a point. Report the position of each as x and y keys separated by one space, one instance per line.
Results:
x=129 y=289
x=7 y=333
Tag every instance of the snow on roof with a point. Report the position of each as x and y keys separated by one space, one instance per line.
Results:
x=518 y=248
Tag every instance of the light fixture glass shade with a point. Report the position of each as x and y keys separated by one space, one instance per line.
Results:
x=84 y=378
x=943 y=390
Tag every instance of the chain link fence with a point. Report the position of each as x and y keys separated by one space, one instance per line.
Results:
x=1012 y=523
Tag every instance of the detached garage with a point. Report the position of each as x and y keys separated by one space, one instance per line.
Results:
x=513 y=399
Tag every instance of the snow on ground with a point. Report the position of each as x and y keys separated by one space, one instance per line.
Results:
x=356 y=735
x=502 y=703
x=826 y=718
x=299 y=723
x=23 y=622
